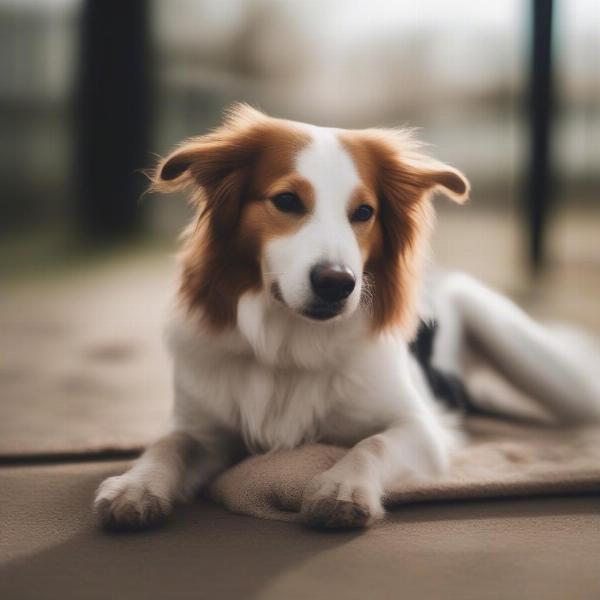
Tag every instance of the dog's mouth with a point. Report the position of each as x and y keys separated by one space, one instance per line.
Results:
x=317 y=311
x=324 y=311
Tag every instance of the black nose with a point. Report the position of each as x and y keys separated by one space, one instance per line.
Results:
x=332 y=282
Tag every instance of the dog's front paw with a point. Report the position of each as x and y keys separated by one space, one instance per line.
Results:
x=128 y=502
x=335 y=502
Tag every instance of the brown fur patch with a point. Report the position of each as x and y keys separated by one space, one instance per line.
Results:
x=368 y=233
x=263 y=221
x=235 y=170
x=401 y=179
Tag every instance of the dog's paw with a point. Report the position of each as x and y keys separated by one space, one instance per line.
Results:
x=127 y=502
x=333 y=502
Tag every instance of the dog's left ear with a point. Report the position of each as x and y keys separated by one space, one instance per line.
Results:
x=404 y=180
x=425 y=174
x=404 y=175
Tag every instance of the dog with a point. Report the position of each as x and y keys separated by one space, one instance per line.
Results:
x=307 y=313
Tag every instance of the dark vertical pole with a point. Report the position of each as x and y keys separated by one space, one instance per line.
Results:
x=539 y=186
x=113 y=114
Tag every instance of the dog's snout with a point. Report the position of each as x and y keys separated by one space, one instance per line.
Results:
x=332 y=282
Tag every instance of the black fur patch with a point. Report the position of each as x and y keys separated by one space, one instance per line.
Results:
x=447 y=388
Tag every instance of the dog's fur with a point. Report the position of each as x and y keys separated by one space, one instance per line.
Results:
x=255 y=369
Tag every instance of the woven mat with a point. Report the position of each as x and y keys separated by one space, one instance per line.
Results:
x=500 y=460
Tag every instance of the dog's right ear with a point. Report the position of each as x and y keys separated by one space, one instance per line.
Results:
x=179 y=162
x=204 y=162
x=207 y=160
x=216 y=167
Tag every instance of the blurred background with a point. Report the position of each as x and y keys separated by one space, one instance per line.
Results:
x=91 y=92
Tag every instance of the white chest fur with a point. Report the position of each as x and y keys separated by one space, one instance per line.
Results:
x=279 y=382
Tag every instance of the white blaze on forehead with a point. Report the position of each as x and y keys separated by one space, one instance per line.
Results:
x=326 y=234
x=329 y=168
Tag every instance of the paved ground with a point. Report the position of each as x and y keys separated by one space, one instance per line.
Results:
x=50 y=547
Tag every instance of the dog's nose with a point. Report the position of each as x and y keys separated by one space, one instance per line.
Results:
x=332 y=282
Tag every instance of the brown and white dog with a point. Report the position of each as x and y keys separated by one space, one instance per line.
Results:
x=300 y=293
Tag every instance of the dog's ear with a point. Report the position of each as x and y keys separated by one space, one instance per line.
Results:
x=428 y=175
x=404 y=180
x=215 y=165
x=204 y=159
x=216 y=170
x=406 y=174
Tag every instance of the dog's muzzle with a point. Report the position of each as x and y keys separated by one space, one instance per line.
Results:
x=331 y=284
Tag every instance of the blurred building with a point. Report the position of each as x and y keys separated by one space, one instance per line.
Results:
x=38 y=56
x=458 y=74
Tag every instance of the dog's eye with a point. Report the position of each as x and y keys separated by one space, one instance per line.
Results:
x=289 y=203
x=363 y=213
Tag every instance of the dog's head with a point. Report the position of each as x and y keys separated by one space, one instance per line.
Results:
x=320 y=220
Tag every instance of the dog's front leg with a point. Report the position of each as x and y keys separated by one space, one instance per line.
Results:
x=349 y=494
x=171 y=469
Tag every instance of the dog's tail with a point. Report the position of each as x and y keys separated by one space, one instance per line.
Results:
x=559 y=368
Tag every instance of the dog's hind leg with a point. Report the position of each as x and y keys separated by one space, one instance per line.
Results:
x=530 y=355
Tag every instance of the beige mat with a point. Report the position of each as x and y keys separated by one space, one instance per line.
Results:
x=499 y=460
